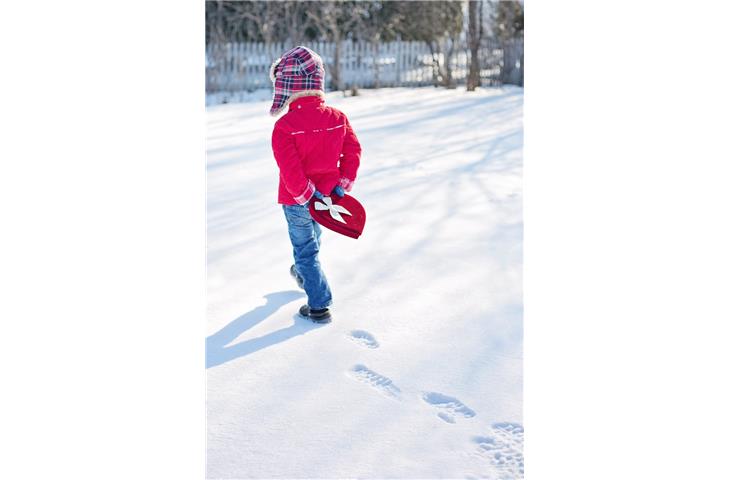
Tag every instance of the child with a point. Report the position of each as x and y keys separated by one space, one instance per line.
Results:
x=316 y=151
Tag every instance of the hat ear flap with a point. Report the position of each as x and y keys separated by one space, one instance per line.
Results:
x=272 y=70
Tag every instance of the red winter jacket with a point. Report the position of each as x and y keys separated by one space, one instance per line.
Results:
x=315 y=148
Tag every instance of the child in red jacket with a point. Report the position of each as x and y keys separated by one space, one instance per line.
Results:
x=317 y=151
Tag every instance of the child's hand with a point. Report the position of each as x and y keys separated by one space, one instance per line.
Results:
x=339 y=191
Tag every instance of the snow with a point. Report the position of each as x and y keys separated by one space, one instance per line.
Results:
x=420 y=373
x=218 y=98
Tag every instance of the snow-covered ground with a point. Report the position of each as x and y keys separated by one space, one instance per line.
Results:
x=420 y=373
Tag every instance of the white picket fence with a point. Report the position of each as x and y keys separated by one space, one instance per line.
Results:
x=235 y=67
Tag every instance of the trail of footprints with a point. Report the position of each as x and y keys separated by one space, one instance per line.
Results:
x=502 y=448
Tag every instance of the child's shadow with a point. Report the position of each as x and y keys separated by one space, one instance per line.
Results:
x=216 y=351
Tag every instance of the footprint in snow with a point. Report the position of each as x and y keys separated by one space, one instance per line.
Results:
x=503 y=450
x=361 y=337
x=449 y=407
x=379 y=382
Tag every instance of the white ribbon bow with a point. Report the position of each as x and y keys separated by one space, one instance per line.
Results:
x=335 y=210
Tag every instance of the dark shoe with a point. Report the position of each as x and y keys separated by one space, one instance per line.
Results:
x=295 y=276
x=317 y=316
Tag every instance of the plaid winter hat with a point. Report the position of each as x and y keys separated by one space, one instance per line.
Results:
x=298 y=73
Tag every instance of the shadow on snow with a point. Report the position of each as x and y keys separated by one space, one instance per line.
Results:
x=217 y=350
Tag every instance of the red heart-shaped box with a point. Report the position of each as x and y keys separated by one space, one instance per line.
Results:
x=342 y=215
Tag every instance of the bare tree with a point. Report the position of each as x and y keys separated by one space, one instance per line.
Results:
x=261 y=15
x=335 y=19
x=215 y=22
x=295 y=21
x=439 y=24
x=507 y=25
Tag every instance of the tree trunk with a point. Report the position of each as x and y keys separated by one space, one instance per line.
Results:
x=336 y=71
x=376 y=61
x=435 y=65
x=522 y=65
x=450 y=44
x=473 y=80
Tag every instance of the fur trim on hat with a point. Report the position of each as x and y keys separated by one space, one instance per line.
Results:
x=296 y=95
x=273 y=69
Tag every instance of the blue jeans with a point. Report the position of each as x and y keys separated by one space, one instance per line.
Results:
x=305 y=236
